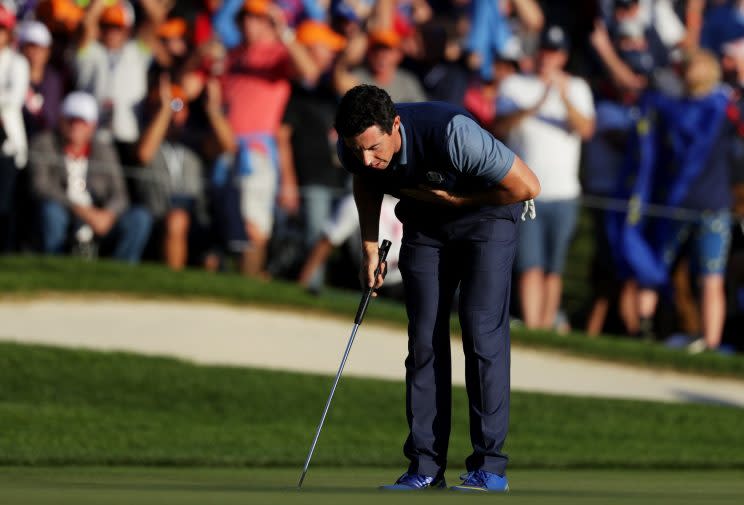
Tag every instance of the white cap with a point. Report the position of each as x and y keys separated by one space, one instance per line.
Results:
x=80 y=104
x=34 y=32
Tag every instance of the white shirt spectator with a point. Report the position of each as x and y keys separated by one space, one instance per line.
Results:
x=118 y=79
x=345 y=224
x=14 y=83
x=544 y=140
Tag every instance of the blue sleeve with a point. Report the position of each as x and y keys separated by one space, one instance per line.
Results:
x=224 y=23
x=475 y=152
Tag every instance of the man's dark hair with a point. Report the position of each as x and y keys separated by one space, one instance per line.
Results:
x=364 y=106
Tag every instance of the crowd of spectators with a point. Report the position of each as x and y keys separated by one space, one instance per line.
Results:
x=201 y=133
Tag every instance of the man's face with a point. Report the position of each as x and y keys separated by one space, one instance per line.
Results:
x=36 y=55
x=257 y=28
x=77 y=131
x=551 y=60
x=383 y=59
x=322 y=55
x=375 y=148
x=113 y=37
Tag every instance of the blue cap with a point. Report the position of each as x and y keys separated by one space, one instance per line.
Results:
x=554 y=37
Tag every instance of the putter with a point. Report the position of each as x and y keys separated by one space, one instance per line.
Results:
x=384 y=248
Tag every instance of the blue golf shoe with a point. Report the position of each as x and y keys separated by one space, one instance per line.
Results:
x=416 y=482
x=480 y=481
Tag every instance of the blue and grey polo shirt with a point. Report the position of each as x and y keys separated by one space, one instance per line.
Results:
x=442 y=146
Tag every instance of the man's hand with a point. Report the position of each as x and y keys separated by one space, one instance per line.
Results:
x=370 y=260
x=100 y=220
x=433 y=195
x=289 y=197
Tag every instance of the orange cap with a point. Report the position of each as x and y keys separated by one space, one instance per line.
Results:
x=314 y=32
x=172 y=29
x=60 y=14
x=384 y=37
x=257 y=7
x=120 y=14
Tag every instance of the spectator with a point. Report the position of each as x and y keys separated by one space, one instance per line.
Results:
x=688 y=145
x=545 y=118
x=312 y=178
x=495 y=25
x=439 y=63
x=722 y=23
x=381 y=68
x=44 y=97
x=342 y=226
x=173 y=37
x=171 y=183
x=256 y=90
x=112 y=66
x=481 y=97
x=203 y=22
x=13 y=145
x=79 y=185
x=658 y=23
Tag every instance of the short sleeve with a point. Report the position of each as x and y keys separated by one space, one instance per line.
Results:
x=581 y=97
x=477 y=153
x=290 y=112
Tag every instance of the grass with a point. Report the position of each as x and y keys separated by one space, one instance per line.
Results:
x=149 y=486
x=74 y=407
x=24 y=276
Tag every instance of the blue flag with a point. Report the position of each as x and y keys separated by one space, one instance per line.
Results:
x=667 y=153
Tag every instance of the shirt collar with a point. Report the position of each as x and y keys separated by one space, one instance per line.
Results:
x=403 y=159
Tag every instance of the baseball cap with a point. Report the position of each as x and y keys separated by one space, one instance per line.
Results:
x=384 y=37
x=7 y=18
x=34 y=32
x=172 y=28
x=554 y=37
x=121 y=14
x=60 y=14
x=625 y=4
x=257 y=7
x=82 y=105
x=315 y=32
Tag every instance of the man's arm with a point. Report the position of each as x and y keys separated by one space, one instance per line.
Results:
x=518 y=185
x=153 y=135
x=369 y=202
x=506 y=179
x=43 y=165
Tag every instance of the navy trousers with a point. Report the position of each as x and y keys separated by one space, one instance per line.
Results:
x=476 y=254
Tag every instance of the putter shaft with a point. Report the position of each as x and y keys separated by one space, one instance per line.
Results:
x=328 y=403
x=384 y=248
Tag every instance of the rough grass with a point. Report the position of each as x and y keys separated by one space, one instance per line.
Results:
x=74 y=407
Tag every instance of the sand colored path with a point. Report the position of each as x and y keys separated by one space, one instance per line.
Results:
x=209 y=333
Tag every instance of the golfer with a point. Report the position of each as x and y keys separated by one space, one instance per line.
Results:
x=462 y=194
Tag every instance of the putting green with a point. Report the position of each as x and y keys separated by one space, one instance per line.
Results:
x=357 y=486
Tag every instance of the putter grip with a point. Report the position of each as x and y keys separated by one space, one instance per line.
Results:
x=383 y=252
